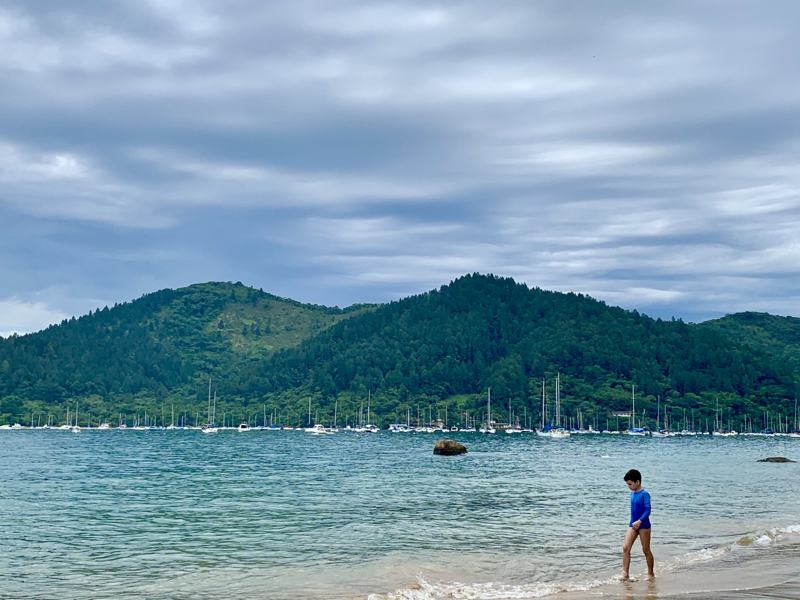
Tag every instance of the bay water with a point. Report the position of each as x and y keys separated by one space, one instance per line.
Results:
x=289 y=515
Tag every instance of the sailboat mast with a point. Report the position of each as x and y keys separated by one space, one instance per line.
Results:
x=558 y=399
x=544 y=406
x=658 y=412
x=489 y=409
x=209 y=400
x=633 y=406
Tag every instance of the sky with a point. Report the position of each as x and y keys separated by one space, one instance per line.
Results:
x=346 y=151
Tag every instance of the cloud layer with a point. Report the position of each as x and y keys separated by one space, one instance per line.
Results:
x=345 y=152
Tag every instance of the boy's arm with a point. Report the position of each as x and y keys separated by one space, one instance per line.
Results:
x=646 y=512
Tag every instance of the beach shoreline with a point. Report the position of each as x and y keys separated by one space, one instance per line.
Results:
x=760 y=565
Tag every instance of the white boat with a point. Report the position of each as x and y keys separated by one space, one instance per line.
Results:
x=104 y=426
x=243 y=427
x=318 y=429
x=559 y=434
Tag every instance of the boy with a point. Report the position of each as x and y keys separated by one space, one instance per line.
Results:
x=639 y=525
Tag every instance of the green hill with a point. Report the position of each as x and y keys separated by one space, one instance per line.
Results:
x=763 y=333
x=165 y=344
x=426 y=354
x=448 y=346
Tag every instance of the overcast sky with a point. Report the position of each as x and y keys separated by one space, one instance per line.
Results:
x=350 y=151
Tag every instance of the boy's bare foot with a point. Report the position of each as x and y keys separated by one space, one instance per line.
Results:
x=625 y=577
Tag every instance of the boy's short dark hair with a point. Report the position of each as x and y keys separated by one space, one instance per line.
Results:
x=633 y=475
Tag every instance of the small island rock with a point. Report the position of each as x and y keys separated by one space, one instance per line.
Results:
x=449 y=448
x=777 y=459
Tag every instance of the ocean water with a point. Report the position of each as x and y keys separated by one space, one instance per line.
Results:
x=285 y=514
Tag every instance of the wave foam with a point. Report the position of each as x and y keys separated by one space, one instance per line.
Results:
x=487 y=591
x=766 y=538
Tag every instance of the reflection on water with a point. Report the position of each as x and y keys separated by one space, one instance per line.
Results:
x=647 y=591
x=175 y=514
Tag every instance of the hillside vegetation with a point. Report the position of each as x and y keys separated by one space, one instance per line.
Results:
x=423 y=355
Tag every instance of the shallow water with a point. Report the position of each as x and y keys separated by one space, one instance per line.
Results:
x=284 y=514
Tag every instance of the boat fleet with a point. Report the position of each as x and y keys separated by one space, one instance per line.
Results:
x=551 y=429
x=320 y=429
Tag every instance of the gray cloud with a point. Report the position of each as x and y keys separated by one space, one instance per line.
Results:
x=344 y=152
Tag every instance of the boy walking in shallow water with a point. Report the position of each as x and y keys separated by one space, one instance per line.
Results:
x=639 y=525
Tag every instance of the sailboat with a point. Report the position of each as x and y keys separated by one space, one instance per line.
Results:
x=659 y=432
x=633 y=430
x=335 y=428
x=369 y=427
x=558 y=432
x=75 y=428
x=210 y=427
x=796 y=432
x=718 y=431
x=172 y=423
x=488 y=428
x=544 y=430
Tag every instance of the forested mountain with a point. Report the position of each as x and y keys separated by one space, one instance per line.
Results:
x=426 y=354
x=764 y=332
x=166 y=344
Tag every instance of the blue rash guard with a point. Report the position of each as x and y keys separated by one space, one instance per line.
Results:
x=640 y=508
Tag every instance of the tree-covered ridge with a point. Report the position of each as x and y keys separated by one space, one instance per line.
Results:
x=762 y=331
x=161 y=343
x=484 y=331
x=434 y=352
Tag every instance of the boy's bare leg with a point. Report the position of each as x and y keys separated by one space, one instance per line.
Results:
x=630 y=538
x=644 y=537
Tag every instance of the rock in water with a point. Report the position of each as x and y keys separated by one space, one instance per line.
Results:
x=449 y=448
x=776 y=459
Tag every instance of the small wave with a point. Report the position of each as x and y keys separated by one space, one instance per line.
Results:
x=425 y=590
x=766 y=538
